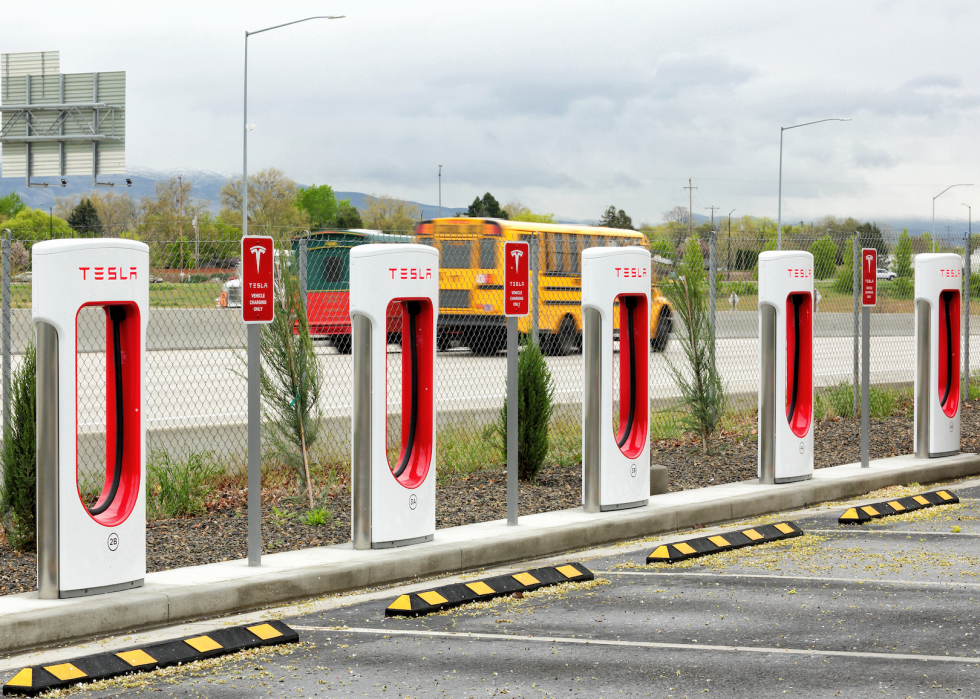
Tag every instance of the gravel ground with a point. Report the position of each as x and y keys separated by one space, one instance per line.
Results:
x=220 y=535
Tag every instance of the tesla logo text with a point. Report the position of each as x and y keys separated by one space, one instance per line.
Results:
x=257 y=250
x=800 y=273
x=406 y=273
x=631 y=272
x=108 y=273
x=950 y=273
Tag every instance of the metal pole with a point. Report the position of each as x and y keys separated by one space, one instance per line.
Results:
x=48 y=573
x=934 y=209
x=440 y=191
x=245 y=148
x=865 y=386
x=360 y=459
x=591 y=409
x=779 y=209
x=712 y=290
x=512 y=401
x=767 y=394
x=855 y=284
x=922 y=360
x=534 y=287
x=728 y=265
x=254 y=448
x=5 y=329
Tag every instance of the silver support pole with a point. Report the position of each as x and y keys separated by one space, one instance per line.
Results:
x=254 y=447
x=48 y=573
x=360 y=460
x=767 y=394
x=534 y=262
x=966 y=317
x=5 y=325
x=713 y=271
x=512 y=401
x=865 y=387
x=302 y=272
x=856 y=285
x=591 y=408
x=922 y=361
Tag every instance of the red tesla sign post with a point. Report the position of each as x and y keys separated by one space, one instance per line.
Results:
x=869 y=297
x=258 y=263
x=517 y=303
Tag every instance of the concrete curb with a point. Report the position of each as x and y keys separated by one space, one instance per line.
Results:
x=224 y=588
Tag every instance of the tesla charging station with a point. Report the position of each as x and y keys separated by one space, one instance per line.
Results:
x=785 y=366
x=82 y=549
x=393 y=502
x=938 y=282
x=615 y=456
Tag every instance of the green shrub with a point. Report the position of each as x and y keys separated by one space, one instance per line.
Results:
x=838 y=401
x=824 y=257
x=974 y=285
x=535 y=394
x=740 y=287
x=844 y=281
x=18 y=491
x=178 y=488
x=901 y=288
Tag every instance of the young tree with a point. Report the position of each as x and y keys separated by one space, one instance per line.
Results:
x=535 y=407
x=385 y=213
x=319 y=203
x=616 y=219
x=84 y=219
x=18 y=500
x=516 y=211
x=488 y=207
x=871 y=237
x=292 y=378
x=699 y=382
x=903 y=255
x=347 y=216
x=11 y=205
x=844 y=282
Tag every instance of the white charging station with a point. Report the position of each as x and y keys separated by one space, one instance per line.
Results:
x=785 y=366
x=938 y=286
x=86 y=550
x=615 y=451
x=393 y=503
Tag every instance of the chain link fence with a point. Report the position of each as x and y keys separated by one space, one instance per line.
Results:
x=195 y=345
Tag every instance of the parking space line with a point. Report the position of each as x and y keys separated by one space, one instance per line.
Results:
x=860 y=581
x=645 y=644
x=903 y=532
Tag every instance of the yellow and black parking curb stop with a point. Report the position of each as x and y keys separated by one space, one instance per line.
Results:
x=38 y=679
x=449 y=596
x=706 y=545
x=866 y=513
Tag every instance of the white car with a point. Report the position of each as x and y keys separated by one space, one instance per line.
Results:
x=886 y=274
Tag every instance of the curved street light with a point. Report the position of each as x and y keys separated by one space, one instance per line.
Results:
x=934 y=210
x=245 y=116
x=779 y=214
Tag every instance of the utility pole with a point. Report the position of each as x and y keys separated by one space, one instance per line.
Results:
x=180 y=219
x=712 y=215
x=440 y=191
x=690 y=208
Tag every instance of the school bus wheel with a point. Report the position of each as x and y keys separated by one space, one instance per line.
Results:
x=665 y=324
x=564 y=342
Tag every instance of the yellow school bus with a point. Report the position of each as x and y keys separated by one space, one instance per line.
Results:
x=471 y=282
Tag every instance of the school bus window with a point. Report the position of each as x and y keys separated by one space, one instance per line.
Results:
x=573 y=254
x=488 y=253
x=456 y=254
x=561 y=250
x=334 y=268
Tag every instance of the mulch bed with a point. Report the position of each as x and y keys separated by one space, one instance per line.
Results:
x=220 y=535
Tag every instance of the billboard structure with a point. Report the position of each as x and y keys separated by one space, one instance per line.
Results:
x=54 y=124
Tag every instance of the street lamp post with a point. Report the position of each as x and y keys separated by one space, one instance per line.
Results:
x=254 y=403
x=934 y=210
x=779 y=214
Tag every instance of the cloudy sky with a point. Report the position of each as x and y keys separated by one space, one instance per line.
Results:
x=566 y=106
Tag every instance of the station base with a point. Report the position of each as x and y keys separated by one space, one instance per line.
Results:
x=940 y=454
x=794 y=479
x=400 y=542
x=89 y=591
x=623 y=506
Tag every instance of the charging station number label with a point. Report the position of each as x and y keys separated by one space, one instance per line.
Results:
x=517 y=279
x=869 y=277
x=258 y=263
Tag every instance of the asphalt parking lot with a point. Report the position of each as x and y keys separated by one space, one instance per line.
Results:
x=883 y=609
